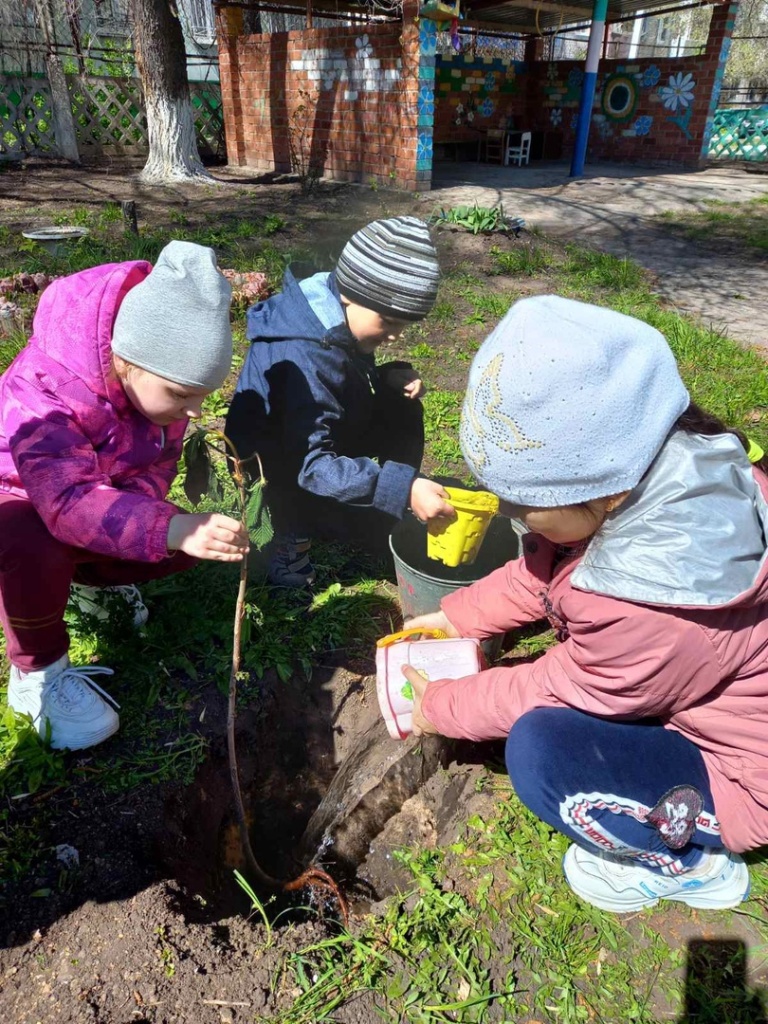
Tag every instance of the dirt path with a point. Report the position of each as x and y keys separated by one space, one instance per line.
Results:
x=617 y=208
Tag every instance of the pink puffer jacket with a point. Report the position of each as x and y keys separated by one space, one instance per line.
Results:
x=95 y=468
x=702 y=670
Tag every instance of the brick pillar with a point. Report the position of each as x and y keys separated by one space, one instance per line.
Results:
x=532 y=83
x=716 y=56
x=229 y=27
x=426 y=104
x=534 y=49
x=407 y=146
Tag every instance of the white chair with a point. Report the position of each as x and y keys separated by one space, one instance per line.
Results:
x=520 y=152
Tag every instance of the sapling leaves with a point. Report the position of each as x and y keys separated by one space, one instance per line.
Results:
x=198 y=466
x=257 y=517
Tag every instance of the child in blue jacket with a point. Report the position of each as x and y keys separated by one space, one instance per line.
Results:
x=341 y=439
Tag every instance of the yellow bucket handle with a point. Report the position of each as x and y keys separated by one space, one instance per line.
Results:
x=394 y=638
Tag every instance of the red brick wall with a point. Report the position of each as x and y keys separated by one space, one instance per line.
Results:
x=473 y=93
x=543 y=96
x=359 y=120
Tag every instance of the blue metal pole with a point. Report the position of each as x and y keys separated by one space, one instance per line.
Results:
x=599 y=12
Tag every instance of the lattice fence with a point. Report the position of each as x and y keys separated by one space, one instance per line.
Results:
x=108 y=113
x=740 y=134
x=26 y=118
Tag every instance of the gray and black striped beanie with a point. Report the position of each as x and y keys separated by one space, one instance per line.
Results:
x=390 y=266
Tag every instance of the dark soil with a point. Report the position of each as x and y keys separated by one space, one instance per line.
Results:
x=152 y=926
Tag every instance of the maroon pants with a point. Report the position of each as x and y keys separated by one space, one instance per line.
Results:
x=36 y=571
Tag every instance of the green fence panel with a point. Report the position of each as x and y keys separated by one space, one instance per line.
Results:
x=740 y=134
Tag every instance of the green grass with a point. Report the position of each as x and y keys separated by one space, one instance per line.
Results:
x=745 y=224
x=488 y=930
x=512 y=944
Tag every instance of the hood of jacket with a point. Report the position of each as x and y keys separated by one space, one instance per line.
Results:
x=306 y=310
x=691 y=534
x=83 y=306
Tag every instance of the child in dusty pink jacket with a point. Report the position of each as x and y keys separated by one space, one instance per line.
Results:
x=643 y=734
x=92 y=416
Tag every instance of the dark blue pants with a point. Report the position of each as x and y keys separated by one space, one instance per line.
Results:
x=596 y=780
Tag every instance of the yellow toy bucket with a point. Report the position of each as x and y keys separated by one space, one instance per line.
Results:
x=457 y=541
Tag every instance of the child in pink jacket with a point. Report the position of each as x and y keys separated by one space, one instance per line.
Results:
x=643 y=735
x=92 y=416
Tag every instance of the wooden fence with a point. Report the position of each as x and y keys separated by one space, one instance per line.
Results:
x=108 y=114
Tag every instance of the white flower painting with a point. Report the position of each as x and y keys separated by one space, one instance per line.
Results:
x=678 y=94
x=364 y=48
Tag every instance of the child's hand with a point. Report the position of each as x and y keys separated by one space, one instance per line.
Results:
x=211 y=535
x=429 y=500
x=421 y=725
x=405 y=379
x=434 y=620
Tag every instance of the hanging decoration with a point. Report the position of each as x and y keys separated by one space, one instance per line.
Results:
x=446 y=16
x=436 y=10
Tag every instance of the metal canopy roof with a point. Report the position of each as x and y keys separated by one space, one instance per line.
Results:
x=539 y=15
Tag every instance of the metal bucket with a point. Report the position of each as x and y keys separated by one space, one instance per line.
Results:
x=423 y=582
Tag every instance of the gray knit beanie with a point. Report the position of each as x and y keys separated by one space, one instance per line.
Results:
x=176 y=322
x=567 y=402
x=390 y=266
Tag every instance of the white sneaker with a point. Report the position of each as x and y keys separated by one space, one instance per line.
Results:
x=91 y=601
x=622 y=885
x=66 y=699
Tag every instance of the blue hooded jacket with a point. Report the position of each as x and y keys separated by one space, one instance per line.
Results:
x=305 y=400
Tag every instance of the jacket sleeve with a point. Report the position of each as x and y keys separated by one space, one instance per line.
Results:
x=59 y=469
x=645 y=663
x=509 y=597
x=315 y=415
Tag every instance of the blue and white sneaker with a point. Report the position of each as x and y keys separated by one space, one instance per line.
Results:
x=623 y=886
x=95 y=601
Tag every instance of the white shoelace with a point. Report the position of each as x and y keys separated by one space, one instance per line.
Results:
x=67 y=686
x=130 y=593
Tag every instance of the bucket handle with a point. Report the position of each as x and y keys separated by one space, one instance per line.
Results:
x=394 y=638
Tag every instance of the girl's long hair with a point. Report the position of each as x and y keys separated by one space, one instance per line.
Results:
x=696 y=420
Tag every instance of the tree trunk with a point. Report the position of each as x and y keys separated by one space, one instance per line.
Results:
x=66 y=139
x=158 y=43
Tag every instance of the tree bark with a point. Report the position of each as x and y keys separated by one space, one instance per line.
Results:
x=158 y=44
x=66 y=139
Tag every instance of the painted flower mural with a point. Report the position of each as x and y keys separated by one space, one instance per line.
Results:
x=643 y=125
x=487 y=107
x=604 y=127
x=426 y=101
x=650 y=76
x=490 y=81
x=575 y=78
x=364 y=48
x=556 y=116
x=424 y=146
x=428 y=37
x=678 y=94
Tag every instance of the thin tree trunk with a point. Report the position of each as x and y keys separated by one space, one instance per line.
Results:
x=66 y=139
x=158 y=43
